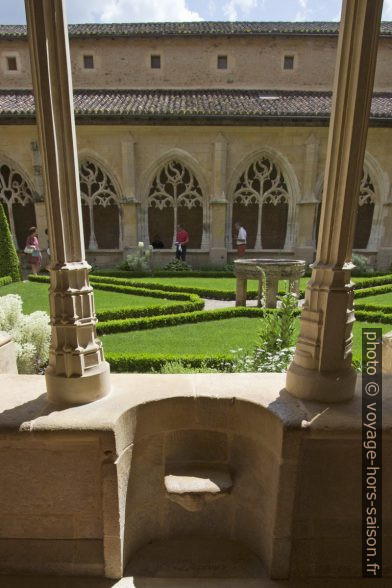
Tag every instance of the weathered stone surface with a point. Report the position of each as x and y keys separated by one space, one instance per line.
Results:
x=7 y=355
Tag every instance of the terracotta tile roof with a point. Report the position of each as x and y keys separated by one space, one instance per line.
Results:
x=158 y=29
x=239 y=105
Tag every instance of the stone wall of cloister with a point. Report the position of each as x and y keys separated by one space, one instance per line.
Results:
x=138 y=182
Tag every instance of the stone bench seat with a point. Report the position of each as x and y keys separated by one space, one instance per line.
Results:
x=193 y=486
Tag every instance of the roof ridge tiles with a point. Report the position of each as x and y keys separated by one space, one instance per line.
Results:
x=136 y=29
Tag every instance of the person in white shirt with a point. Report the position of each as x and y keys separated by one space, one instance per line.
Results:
x=241 y=239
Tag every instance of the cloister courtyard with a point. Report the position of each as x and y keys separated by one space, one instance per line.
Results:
x=168 y=427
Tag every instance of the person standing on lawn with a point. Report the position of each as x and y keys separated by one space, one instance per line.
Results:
x=241 y=239
x=182 y=240
x=34 y=256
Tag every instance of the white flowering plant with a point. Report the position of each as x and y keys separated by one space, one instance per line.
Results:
x=140 y=262
x=30 y=333
x=274 y=351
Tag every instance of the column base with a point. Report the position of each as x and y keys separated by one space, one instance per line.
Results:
x=311 y=384
x=79 y=390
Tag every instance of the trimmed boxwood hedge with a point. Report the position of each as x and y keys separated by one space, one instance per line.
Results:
x=5 y=280
x=124 y=287
x=369 y=282
x=147 y=362
x=364 y=292
x=162 y=274
x=380 y=308
x=203 y=292
x=158 y=309
x=139 y=324
x=373 y=317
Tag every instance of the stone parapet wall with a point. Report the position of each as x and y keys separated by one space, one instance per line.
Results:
x=82 y=489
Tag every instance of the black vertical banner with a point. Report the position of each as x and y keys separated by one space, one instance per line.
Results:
x=372 y=453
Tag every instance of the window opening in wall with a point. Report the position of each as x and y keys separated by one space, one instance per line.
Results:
x=88 y=61
x=175 y=197
x=12 y=64
x=17 y=199
x=261 y=204
x=100 y=207
x=155 y=62
x=288 y=62
x=222 y=61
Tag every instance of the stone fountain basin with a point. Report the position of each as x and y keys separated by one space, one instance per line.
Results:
x=274 y=268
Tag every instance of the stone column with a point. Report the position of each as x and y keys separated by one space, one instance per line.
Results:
x=241 y=291
x=272 y=291
x=322 y=368
x=131 y=205
x=77 y=372
x=307 y=206
x=218 y=203
x=39 y=205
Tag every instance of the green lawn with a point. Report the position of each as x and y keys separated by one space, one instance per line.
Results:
x=35 y=297
x=210 y=337
x=382 y=299
x=198 y=338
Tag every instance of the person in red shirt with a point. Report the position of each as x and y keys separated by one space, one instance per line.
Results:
x=182 y=240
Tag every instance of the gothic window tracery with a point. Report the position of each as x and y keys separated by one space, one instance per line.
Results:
x=100 y=207
x=365 y=212
x=260 y=203
x=17 y=199
x=175 y=197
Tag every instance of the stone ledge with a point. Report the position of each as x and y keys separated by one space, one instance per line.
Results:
x=24 y=407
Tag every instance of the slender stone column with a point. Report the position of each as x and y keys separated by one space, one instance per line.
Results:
x=218 y=202
x=322 y=368
x=240 y=291
x=77 y=372
x=131 y=206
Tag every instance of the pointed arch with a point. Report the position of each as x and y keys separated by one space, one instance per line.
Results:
x=101 y=204
x=17 y=198
x=174 y=191
x=373 y=194
x=263 y=190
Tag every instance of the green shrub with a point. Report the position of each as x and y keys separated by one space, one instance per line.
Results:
x=124 y=287
x=5 y=280
x=365 y=292
x=150 y=363
x=128 y=312
x=178 y=367
x=274 y=350
x=373 y=317
x=151 y=286
x=373 y=281
x=177 y=265
x=118 y=273
x=140 y=261
x=9 y=261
